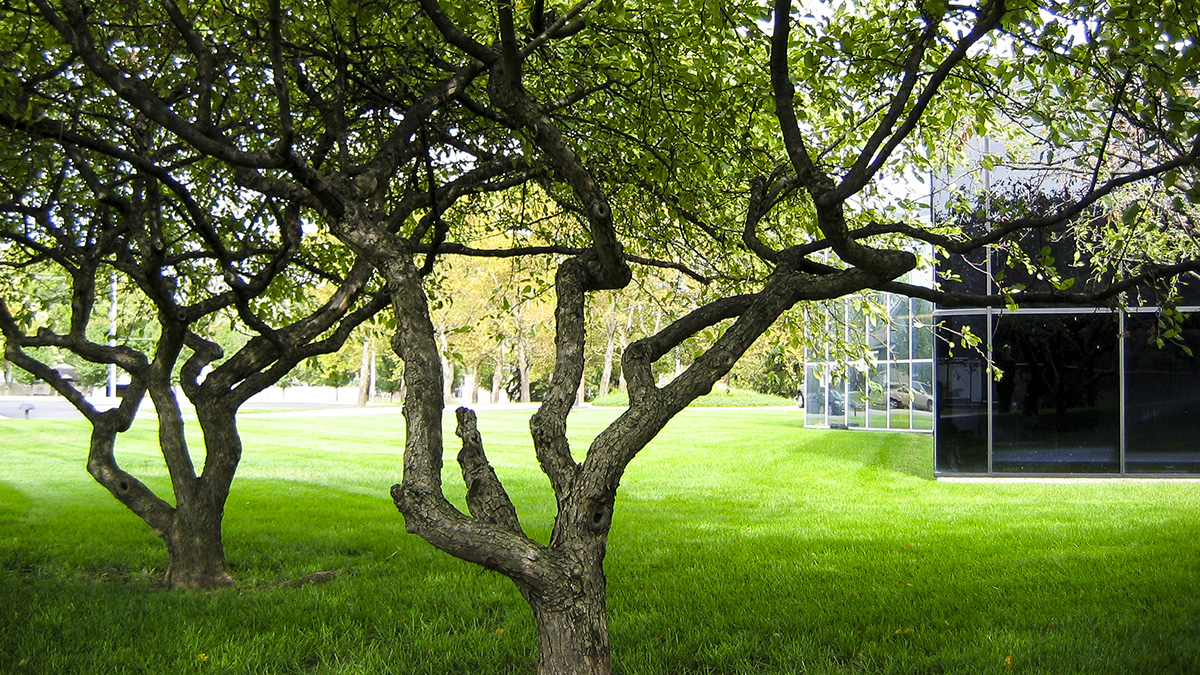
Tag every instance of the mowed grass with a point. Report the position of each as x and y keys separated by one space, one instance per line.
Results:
x=718 y=398
x=742 y=544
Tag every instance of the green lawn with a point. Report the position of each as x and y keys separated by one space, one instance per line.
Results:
x=742 y=544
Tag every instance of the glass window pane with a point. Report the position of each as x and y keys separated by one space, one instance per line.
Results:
x=922 y=385
x=877 y=333
x=1056 y=406
x=965 y=274
x=877 y=397
x=855 y=322
x=923 y=332
x=839 y=409
x=900 y=320
x=1162 y=417
x=961 y=437
x=899 y=397
x=857 y=396
x=815 y=402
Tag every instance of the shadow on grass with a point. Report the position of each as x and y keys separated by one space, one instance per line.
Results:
x=878 y=451
x=13 y=504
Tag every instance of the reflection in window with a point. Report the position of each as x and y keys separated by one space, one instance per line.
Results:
x=923 y=333
x=815 y=399
x=922 y=384
x=857 y=398
x=1056 y=406
x=1163 y=398
x=899 y=396
x=864 y=394
x=877 y=398
x=962 y=425
x=900 y=318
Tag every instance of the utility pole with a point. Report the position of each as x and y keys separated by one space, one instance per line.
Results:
x=112 y=332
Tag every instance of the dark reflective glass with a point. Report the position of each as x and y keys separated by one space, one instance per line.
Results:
x=1034 y=260
x=1162 y=422
x=1182 y=291
x=961 y=435
x=1056 y=407
x=964 y=274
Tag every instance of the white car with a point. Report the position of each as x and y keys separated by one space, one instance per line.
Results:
x=909 y=396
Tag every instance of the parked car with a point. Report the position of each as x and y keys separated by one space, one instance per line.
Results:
x=837 y=403
x=909 y=396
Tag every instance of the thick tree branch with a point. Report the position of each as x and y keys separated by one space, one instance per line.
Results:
x=814 y=180
x=454 y=35
x=639 y=357
x=124 y=486
x=756 y=210
x=870 y=161
x=507 y=91
x=75 y=30
x=548 y=425
x=1108 y=294
x=486 y=497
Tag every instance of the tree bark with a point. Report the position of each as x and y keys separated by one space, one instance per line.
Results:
x=573 y=635
x=364 y=375
x=498 y=375
x=523 y=369
x=195 y=546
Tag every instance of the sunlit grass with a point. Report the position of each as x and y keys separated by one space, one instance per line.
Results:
x=742 y=543
x=718 y=398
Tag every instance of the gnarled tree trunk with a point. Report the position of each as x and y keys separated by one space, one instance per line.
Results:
x=195 y=547
x=563 y=581
x=572 y=624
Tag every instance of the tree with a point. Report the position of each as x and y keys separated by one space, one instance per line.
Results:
x=747 y=148
x=101 y=199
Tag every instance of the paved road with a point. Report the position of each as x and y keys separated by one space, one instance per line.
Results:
x=55 y=407
x=41 y=407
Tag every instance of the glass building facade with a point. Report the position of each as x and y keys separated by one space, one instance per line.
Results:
x=1038 y=391
x=1025 y=391
x=1087 y=392
x=890 y=383
x=1065 y=390
x=1054 y=390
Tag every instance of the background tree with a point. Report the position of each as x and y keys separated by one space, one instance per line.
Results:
x=745 y=148
x=96 y=195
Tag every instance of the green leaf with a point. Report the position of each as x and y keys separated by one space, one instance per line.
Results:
x=1131 y=213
